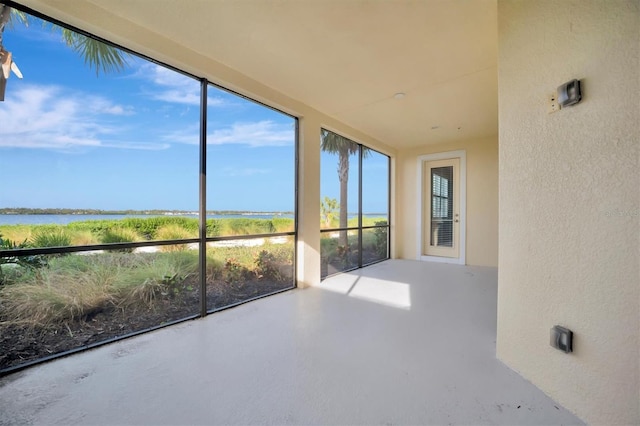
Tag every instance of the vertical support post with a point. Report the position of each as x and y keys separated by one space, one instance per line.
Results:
x=360 y=230
x=202 y=260
x=308 y=202
x=389 y=190
x=296 y=211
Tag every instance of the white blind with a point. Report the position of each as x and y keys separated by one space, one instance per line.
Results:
x=442 y=206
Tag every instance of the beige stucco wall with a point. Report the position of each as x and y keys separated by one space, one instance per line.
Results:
x=570 y=202
x=482 y=199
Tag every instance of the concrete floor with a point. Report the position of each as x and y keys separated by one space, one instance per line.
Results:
x=400 y=342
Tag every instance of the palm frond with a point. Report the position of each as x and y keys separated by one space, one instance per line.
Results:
x=335 y=144
x=20 y=16
x=96 y=54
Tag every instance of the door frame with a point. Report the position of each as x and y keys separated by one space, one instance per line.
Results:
x=422 y=159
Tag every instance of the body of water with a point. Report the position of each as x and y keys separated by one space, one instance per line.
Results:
x=63 y=219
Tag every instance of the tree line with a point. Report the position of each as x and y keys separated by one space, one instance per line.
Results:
x=61 y=211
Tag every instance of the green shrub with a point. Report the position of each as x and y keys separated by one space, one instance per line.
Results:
x=51 y=238
x=154 y=276
x=59 y=292
x=25 y=262
x=174 y=232
x=96 y=227
x=83 y=238
x=381 y=240
x=76 y=286
x=268 y=266
x=234 y=272
x=120 y=235
x=148 y=227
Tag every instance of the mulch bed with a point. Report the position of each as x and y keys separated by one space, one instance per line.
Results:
x=20 y=344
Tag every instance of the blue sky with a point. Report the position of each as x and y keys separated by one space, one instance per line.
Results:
x=129 y=140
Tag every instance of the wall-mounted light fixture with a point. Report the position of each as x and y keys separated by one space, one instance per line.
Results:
x=562 y=339
x=569 y=93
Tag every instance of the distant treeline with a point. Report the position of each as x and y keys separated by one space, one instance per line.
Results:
x=24 y=210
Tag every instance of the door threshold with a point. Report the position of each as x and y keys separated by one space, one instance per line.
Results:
x=440 y=259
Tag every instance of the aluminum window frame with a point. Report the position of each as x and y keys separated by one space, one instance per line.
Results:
x=360 y=227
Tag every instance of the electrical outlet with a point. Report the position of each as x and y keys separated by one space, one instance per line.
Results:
x=552 y=103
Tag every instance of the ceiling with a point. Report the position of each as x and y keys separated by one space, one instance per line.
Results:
x=346 y=59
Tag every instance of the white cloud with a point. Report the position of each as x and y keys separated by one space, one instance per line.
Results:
x=254 y=134
x=189 y=135
x=175 y=87
x=261 y=133
x=100 y=105
x=233 y=172
x=145 y=146
x=54 y=118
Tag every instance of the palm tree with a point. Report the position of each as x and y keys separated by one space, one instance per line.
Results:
x=96 y=54
x=335 y=144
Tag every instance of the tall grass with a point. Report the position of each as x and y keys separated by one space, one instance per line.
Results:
x=174 y=232
x=242 y=226
x=76 y=286
x=154 y=276
x=17 y=233
x=59 y=293
x=120 y=235
x=83 y=238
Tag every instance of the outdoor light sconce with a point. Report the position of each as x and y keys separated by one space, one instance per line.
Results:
x=562 y=339
x=569 y=93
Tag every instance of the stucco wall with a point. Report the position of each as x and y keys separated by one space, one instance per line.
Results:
x=482 y=200
x=569 y=249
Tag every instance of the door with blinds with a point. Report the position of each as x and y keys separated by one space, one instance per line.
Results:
x=441 y=210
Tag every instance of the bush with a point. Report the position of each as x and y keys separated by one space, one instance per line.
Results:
x=154 y=276
x=148 y=227
x=268 y=266
x=381 y=240
x=51 y=238
x=83 y=238
x=78 y=286
x=58 y=293
x=121 y=235
x=96 y=227
x=174 y=232
x=234 y=272
x=26 y=262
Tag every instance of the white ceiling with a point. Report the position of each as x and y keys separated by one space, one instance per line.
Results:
x=345 y=58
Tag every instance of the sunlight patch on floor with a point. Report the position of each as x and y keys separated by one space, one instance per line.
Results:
x=385 y=292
